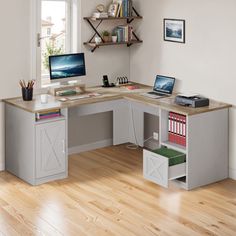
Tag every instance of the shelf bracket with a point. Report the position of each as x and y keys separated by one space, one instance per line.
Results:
x=135 y=11
x=129 y=20
x=135 y=35
x=95 y=30
x=94 y=48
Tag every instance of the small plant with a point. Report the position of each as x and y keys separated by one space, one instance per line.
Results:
x=106 y=36
x=114 y=34
x=105 y=33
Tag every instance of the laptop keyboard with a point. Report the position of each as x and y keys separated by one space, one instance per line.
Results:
x=156 y=93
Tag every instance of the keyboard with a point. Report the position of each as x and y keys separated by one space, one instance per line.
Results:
x=74 y=98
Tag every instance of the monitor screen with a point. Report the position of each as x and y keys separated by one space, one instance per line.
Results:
x=66 y=66
x=164 y=84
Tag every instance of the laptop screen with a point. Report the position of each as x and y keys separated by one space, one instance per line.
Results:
x=164 y=84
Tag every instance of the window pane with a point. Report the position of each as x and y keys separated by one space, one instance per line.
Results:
x=53 y=33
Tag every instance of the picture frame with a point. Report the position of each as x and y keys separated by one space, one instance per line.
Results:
x=112 y=10
x=174 y=30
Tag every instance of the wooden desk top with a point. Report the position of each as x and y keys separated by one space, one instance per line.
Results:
x=110 y=94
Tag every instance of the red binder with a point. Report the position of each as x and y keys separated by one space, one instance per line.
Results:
x=177 y=128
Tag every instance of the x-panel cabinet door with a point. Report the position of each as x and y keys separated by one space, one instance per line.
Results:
x=156 y=169
x=50 y=148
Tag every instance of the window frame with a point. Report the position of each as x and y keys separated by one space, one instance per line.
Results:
x=73 y=41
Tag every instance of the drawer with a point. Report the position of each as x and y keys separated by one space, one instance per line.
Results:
x=156 y=168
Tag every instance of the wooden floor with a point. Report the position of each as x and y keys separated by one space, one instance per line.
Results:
x=106 y=194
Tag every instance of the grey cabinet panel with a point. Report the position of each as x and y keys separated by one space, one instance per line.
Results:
x=50 y=148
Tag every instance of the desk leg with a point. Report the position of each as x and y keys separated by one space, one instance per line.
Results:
x=121 y=123
x=136 y=127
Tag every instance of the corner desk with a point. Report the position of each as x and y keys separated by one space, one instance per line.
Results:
x=37 y=151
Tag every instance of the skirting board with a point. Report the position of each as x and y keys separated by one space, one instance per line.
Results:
x=232 y=173
x=2 y=166
x=90 y=146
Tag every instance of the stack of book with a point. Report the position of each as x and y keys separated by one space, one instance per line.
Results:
x=125 y=8
x=124 y=33
x=48 y=114
x=100 y=15
x=177 y=128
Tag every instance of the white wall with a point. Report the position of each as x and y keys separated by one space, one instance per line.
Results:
x=113 y=61
x=15 y=48
x=205 y=64
x=15 y=51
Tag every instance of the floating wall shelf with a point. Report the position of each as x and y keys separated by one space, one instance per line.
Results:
x=91 y=21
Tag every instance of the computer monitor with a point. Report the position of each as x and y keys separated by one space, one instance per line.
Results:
x=63 y=67
x=164 y=84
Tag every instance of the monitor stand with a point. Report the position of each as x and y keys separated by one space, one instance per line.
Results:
x=78 y=87
x=71 y=82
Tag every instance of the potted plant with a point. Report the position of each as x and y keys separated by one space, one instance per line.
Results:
x=114 y=37
x=106 y=36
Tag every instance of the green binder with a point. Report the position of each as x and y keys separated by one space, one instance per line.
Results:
x=174 y=156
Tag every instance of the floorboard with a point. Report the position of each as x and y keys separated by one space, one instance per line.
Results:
x=106 y=194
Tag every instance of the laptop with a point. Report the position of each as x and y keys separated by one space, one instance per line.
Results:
x=163 y=87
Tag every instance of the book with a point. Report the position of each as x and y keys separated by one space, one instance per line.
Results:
x=130 y=7
x=51 y=111
x=48 y=116
x=124 y=33
x=125 y=8
x=119 y=2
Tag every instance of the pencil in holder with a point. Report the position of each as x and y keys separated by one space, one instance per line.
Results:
x=27 y=94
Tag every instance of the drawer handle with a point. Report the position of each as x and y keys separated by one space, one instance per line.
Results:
x=63 y=146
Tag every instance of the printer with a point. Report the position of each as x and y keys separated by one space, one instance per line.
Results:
x=191 y=100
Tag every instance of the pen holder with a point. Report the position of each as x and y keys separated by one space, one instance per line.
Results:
x=27 y=94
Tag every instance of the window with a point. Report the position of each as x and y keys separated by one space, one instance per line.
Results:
x=48 y=31
x=54 y=35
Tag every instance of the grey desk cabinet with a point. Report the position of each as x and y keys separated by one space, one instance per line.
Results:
x=207 y=154
x=36 y=151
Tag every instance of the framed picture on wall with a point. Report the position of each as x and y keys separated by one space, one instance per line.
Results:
x=174 y=30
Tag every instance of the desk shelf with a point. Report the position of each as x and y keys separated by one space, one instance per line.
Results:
x=94 y=46
x=129 y=19
x=43 y=121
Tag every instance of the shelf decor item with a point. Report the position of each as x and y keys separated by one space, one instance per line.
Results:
x=112 y=10
x=174 y=30
x=100 y=8
x=97 y=39
x=114 y=37
x=106 y=36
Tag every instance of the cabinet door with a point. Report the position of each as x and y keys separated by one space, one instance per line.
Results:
x=50 y=149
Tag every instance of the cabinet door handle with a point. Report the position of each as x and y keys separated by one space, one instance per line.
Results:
x=63 y=146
